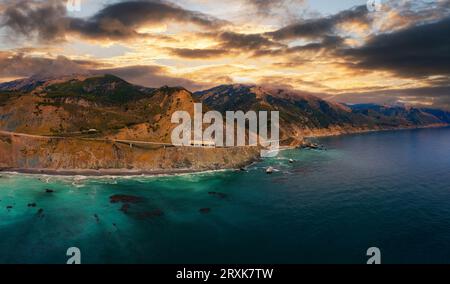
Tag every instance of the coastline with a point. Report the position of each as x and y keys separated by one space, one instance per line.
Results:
x=431 y=126
x=102 y=172
x=169 y=172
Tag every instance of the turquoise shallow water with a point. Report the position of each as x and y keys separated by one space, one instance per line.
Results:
x=390 y=190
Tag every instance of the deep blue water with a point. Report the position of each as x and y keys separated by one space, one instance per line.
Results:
x=390 y=190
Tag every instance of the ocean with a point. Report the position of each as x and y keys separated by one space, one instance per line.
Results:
x=389 y=190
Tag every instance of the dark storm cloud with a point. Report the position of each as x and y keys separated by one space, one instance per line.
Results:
x=245 y=41
x=317 y=28
x=122 y=19
x=417 y=51
x=328 y=43
x=45 y=19
x=49 y=21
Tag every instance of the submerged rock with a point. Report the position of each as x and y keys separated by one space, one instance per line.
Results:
x=205 y=210
x=122 y=198
x=40 y=212
x=312 y=146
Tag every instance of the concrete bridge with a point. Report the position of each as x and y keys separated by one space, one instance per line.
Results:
x=131 y=143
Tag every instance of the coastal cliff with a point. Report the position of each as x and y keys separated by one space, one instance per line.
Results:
x=34 y=154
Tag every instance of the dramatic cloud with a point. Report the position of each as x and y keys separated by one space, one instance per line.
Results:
x=351 y=54
x=245 y=41
x=317 y=28
x=43 y=19
x=229 y=43
x=417 y=51
x=199 y=53
x=327 y=43
x=123 y=19
x=48 y=20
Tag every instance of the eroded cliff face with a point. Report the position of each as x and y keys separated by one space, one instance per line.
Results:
x=67 y=109
x=75 y=154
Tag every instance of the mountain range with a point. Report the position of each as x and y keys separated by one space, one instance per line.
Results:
x=303 y=115
x=77 y=122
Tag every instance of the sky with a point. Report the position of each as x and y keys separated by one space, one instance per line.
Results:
x=338 y=50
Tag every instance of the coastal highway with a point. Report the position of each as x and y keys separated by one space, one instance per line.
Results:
x=129 y=142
